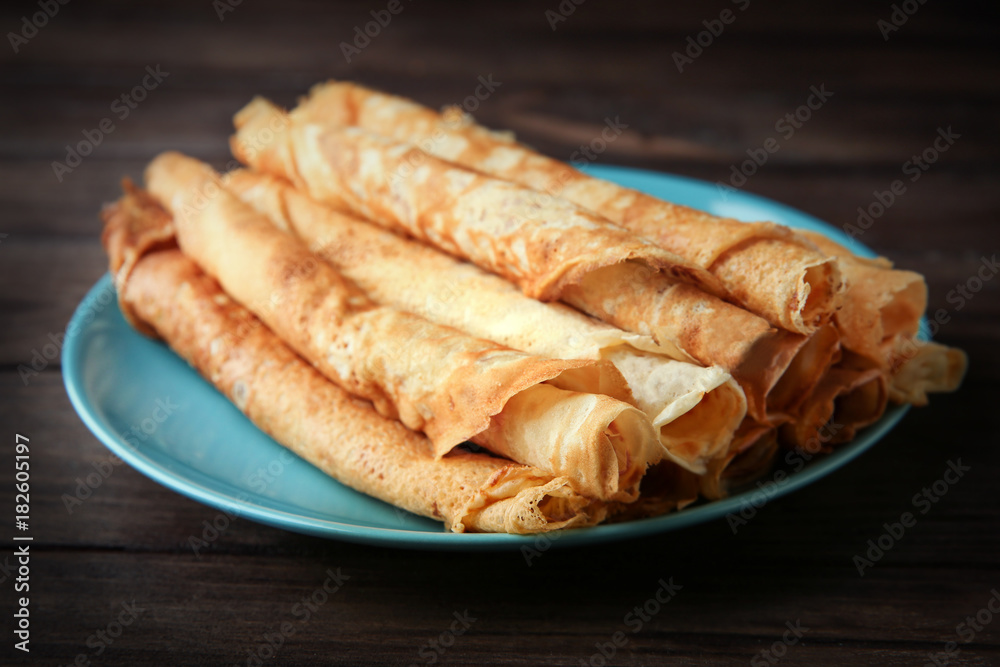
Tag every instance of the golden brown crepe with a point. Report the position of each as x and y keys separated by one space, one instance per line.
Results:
x=852 y=395
x=140 y=226
x=601 y=445
x=766 y=268
x=498 y=227
x=922 y=367
x=882 y=304
x=695 y=410
x=493 y=223
x=775 y=368
x=283 y=395
x=441 y=381
x=880 y=320
x=420 y=280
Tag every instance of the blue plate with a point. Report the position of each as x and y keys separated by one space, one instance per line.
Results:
x=157 y=414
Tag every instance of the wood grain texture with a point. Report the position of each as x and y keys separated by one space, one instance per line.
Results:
x=792 y=562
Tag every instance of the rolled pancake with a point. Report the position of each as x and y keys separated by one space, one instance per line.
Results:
x=813 y=358
x=602 y=445
x=695 y=410
x=418 y=279
x=775 y=368
x=852 y=395
x=140 y=226
x=436 y=379
x=764 y=267
x=341 y=435
x=353 y=171
x=923 y=367
x=880 y=319
x=882 y=304
x=495 y=224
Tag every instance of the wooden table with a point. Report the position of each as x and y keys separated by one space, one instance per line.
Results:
x=792 y=564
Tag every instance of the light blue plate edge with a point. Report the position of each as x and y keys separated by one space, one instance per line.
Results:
x=698 y=194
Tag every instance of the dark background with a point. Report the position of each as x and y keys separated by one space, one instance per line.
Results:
x=791 y=562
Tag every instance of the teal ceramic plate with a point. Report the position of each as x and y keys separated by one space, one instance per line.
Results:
x=157 y=414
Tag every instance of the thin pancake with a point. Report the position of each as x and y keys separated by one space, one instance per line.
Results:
x=450 y=385
x=764 y=267
x=694 y=409
x=341 y=435
x=496 y=224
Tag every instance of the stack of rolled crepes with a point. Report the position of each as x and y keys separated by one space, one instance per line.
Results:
x=446 y=320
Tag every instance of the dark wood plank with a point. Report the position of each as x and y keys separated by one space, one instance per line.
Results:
x=628 y=17
x=423 y=41
x=717 y=126
x=185 y=604
x=43 y=283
